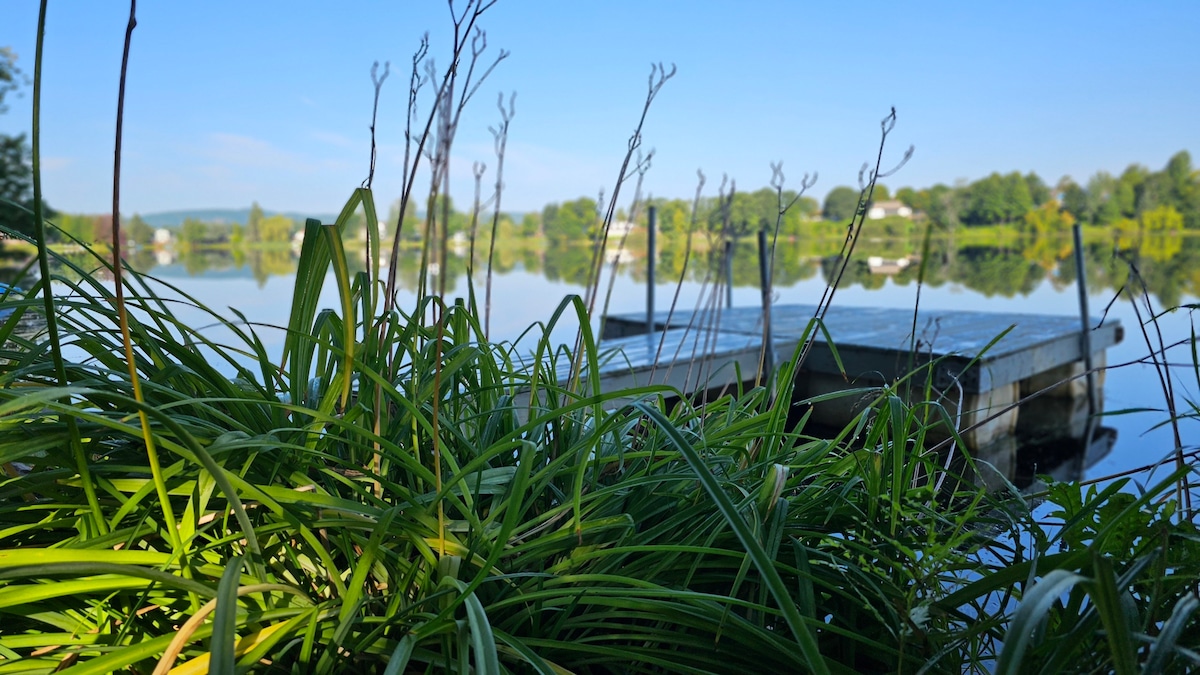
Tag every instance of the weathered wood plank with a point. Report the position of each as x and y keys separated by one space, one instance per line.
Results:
x=874 y=343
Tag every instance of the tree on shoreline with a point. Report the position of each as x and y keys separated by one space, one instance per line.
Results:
x=16 y=162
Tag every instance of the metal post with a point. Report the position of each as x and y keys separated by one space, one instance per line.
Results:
x=764 y=280
x=1086 y=336
x=729 y=273
x=650 y=255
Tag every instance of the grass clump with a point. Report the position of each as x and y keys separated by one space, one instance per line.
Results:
x=399 y=493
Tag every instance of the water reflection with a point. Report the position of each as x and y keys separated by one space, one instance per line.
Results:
x=1169 y=264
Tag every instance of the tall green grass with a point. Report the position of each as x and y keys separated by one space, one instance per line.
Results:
x=398 y=493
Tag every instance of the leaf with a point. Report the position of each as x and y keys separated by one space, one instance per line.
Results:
x=766 y=566
x=225 y=620
x=1168 y=637
x=1034 y=606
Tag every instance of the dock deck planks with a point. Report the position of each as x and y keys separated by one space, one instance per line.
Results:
x=873 y=343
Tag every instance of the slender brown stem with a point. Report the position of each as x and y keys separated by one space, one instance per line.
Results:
x=500 y=138
x=160 y=484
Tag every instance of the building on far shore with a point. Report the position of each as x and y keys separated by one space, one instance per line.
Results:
x=163 y=237
x=887 y=208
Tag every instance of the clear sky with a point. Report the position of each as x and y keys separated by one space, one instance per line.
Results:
x=230 y=102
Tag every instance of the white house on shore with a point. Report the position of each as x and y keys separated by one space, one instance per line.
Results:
x=163 y=237
x=890 y=207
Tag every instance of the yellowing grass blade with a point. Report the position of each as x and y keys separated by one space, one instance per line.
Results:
x=199 y=665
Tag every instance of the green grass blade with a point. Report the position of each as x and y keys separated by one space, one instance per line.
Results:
x=1168 y=638
x=766 y=567
x=342 y=275
x=224 y=635
x=1034 y=606
x=1117 y=625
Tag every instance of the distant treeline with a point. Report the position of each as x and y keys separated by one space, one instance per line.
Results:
x=1139 y=200
x=1104 y=200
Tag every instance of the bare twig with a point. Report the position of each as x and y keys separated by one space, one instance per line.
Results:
x=687 y=256
x=1183 y=487
x=782 y=206
x=464 y=24
x=658 y=77
x=377 y=82
x=500 y=141
x=639 y=170
x=477 y=171
x=867 y=183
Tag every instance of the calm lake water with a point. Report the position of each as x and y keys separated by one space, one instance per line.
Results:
x=530 y=284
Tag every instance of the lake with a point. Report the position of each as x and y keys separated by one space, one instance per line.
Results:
x=1022 y=277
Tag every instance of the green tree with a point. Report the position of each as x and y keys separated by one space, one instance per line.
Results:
x=138 y=231
x=1074 y=198
x=943 y=204
x=1048 y=219
x=74 y=227
x=808 y=208
x=1129 y=186
x=16 y=185
x=275 y=229
x=1162 y=219
x=410 y=227
x=531 y=225
x=192 y=233
x=1017 y=198
x=1183 y=185
x=573 y=220
x=841 y=203
x=16 y=171
x=986 y=201
x=757 y=209
x=881 y=193
x=458 y=221
x=252 y=222
x=1103 y=207
x=10 y=75
x=1039 y=192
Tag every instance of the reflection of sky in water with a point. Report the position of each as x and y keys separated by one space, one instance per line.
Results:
x=520 y=299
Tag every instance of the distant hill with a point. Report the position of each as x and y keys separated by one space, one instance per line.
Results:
x=172 y=219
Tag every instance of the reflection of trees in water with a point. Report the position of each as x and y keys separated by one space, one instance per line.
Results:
x=76 y=265
x=17 y=273
x=993 y=271
x=567 y=262
x=531 y=259
x=1169 y=265
x=266 y=262
x=1175 y=276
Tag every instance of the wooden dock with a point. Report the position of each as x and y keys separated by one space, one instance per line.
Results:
x=875 y=346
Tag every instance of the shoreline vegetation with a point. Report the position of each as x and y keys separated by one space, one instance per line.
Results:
x=398 y=492
x=990 y=260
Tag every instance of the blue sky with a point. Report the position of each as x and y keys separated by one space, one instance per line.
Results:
x=230 y=102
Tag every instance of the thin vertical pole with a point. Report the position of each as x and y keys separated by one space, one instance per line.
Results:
x=1086 y=334
x=729 y=273
x=651 y=254
x=764 y=280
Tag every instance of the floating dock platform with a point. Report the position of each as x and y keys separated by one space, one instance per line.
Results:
x=876 y=346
